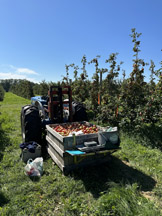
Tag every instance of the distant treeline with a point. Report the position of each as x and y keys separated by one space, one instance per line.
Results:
x=2 y=92
x=25 y=88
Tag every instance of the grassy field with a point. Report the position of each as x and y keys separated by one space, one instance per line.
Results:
x=128 y=185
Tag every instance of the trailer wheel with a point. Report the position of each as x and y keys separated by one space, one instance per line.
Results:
x=31 y=124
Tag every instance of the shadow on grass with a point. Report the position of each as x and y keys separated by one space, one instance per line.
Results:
x=97 y=178
x=3 y=199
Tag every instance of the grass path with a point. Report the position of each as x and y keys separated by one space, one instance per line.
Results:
x=129 y=185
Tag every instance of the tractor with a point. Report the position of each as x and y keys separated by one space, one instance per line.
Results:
x=56 y=107
x=40 y=119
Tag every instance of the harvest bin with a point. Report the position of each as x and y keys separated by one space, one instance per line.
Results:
x=64 y=151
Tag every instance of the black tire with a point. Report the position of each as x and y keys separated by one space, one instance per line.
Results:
x=80 y=112
x=31 y=126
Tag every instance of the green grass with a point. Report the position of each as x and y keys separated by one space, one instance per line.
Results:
x=128 y=185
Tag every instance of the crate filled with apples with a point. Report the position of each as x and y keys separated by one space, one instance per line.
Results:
x=65 y=136
x=76 y=128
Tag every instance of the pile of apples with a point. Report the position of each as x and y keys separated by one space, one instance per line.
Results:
x=66 y=129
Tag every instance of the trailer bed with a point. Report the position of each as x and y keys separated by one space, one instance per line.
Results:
x=67 y=154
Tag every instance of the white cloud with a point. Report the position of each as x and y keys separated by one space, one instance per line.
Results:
x=11 y=76
x=26 y=71
x=12 y=72
x=16 y=76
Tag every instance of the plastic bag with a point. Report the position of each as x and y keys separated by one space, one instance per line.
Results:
x=34 y=167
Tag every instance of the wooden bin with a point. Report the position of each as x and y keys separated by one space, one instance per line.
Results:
x=57 y=147
x=67 y=143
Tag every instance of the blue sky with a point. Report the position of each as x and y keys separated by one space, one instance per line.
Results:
x=38 y=37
